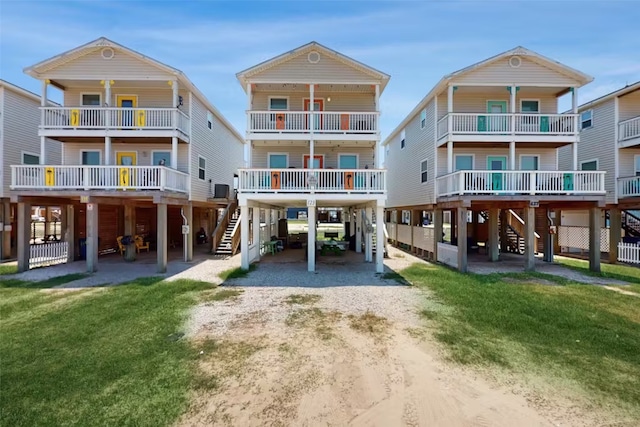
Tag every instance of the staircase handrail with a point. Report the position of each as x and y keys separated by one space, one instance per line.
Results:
x=521 y=221
x=235 y=237
x=216 y=236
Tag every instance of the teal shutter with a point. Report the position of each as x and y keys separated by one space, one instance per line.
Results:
x=544 y=124
x=482 y=123
x=567 y=182
x=496 y=181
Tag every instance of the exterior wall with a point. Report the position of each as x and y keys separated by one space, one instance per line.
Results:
x=340 y=101
x=629 y=106
x=477 y=102
x=529 y=71
x=147 y=97
x=144 y=151
x=260 y=159
x=547 y=160
x=327 y=70
x=223 y=151
x=403 y=164
x=626 y=161
x=20 y=121
x=121 y=66
x=597 y=142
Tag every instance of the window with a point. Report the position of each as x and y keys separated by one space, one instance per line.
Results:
x=586 y=119
x=91 y=158
x=161 y=158
x=637 y=163
x=278 y=161
x=406 y=217
x=530 y=106
x=402 y=139
x=202 y=165
x=464 y=162
x=278 y=104
x=590 y=165
x=423 y=118
x=30 y=159
x=209 y=120
x=529 y=163
x=424 y=176
x=347 y=161
x=91 y=99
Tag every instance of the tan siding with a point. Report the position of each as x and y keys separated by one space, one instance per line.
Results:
x=121 y=66
x=340 y=101
x=222 y=150
x=477 y=102
x=547 y=160
x=629 y=106
x=404 y=186
x=144 y=153
x=21 y=118
x=297 y=152
x=327 y=70
x=627 y=159
x=499 y=72
x=152 y=98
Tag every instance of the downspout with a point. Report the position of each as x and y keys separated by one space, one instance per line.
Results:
x=185 y=227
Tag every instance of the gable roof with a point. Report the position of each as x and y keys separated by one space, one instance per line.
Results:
x=518 y=50
x=24 y=92
x=616 y=93
x=38 y=69
x=244 y=75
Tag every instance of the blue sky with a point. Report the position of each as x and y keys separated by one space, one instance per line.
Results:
x=416 y=42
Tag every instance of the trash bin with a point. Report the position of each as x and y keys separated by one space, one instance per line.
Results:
x=82 y=247
x=129 y=248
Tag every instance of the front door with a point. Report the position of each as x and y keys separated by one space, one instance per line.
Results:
x=127 y=103
x=318 y=162
x=126 y=174
x=318 y=105
x=497 y=163
x=497 y=122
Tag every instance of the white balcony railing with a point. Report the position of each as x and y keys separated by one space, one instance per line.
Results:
x=46 y=177
x=521 y=182
x=507 y=124
x=312 y=180
x=629 y=129
x=98 y=118
x=629 y=186
x=321 y=122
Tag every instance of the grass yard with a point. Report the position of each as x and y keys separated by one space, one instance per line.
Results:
x=101 y=356
x=8 y=268
x=614 y=271
x=575 y=335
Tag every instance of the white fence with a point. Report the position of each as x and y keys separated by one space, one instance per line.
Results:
x=629 y=252
x=510 y=182
x=576 y=237
x=318 y=122
x=312 y=180
x=98 y=178
x=629 y=186
x=629 y=129
x=48 y=254
x=448 y=254
x=517 y=124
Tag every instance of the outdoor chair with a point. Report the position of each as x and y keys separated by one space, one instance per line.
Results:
x=121 y=247
x=141 y=244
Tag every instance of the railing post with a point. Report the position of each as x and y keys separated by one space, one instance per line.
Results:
x=602 y=184
x=85 y=177
x=532 y=183
x=163 y=178
x=461 y=175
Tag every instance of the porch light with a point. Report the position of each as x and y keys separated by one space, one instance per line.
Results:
x=328 y=99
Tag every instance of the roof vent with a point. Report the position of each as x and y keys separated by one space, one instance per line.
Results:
x=313 y=57
x=107 y=53
x=515 y=61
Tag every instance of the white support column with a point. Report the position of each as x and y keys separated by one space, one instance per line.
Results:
x=358 y=230
x=450 y=109
x=311 y=240
x=107 y=93
x=43 y=140
x=107 y=150
x=380 y=237
x=512 y=145
x=512 y=155
x=174 y=140
x=449 y=156
x=576 y=124
x=174 y=152
x=311 y=125
x=107 y=118
x=249 y=105
x=256 y=231
x=244 y=237
x=574 y=155
x=368 y=245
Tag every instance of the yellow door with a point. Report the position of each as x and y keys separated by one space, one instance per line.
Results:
x=126 y=175
x=128 y=103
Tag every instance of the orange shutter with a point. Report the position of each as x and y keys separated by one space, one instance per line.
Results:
x=275 y=180
x=344 y=122
x=280 y=121
x=348 y=180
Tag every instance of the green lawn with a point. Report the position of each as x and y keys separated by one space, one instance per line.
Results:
x=580 y=336
x=623 y=272
x=104 y=356
x=8 y=268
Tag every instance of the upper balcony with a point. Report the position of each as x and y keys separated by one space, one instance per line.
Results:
x=323 y=124
x=90 y=121
x=629 y=132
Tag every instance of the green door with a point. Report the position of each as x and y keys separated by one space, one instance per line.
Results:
x=497 y=163
x=499 y=123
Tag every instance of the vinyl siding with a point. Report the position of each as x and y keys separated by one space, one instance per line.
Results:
x=403 y=165
x=340 y=101
x=223 y=151
x=529 y=72
x=151 y=98
x=144 y=153
x=299 y=69
x=20 y=119
x=627 y=158
x=122 y=66
x=547 y=161
x=629 y=106
x=297 y=152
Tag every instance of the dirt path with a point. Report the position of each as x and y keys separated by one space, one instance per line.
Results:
x=335 y=356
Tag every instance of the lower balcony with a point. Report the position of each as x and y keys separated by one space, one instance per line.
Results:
x=508 y=183
x=116 y=177
x=341 y=181
x=629 y=187
x=629 y=132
